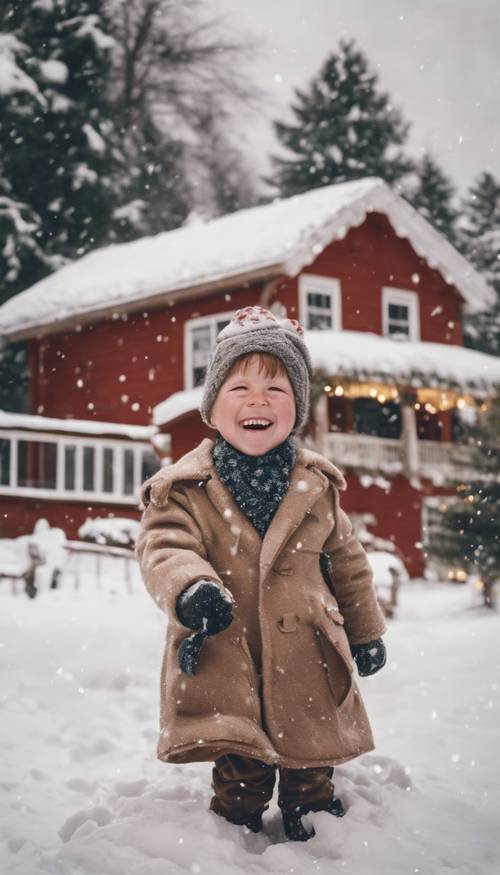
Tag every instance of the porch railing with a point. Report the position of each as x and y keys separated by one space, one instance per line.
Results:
x=384 y=455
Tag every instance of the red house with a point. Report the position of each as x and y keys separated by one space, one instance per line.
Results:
x=121 y=339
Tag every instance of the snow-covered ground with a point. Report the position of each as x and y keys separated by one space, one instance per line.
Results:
x=82 y=791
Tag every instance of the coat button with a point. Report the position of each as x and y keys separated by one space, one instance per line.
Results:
x=288 y=623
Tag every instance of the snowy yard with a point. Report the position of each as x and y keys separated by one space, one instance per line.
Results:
x=82 y=792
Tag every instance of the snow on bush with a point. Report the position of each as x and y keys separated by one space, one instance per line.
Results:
x=111 y=531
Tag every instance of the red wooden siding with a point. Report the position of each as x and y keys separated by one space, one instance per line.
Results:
x=373 y=256
x=145 y=348
x=398 y=512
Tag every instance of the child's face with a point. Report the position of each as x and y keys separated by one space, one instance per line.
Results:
x=251 y=395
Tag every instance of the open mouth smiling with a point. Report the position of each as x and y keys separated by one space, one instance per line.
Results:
x=255 y=424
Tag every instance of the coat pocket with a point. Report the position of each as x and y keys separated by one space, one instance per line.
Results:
x=336 y=658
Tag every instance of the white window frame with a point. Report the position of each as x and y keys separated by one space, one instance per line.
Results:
x=322 y=285
x=406 y=298
x=211 y=320
x=117 y=496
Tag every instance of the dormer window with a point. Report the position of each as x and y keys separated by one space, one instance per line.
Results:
x=319 y=302
x=199 y=341
x=400 y=314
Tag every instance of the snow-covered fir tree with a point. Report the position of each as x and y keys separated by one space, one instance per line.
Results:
x=55 y=147
x=345 y=128
x=55 y=132
x=466 y=532
x=480 y=243
x=433 y=196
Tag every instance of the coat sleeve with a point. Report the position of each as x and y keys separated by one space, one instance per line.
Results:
x=353 y=581
x=170 y=551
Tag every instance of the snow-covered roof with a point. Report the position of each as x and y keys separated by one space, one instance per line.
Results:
x=177 y=405
x=280 y=238
x=362 y=356
x=75 y=426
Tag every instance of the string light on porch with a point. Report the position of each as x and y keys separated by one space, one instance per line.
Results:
x=431 y=400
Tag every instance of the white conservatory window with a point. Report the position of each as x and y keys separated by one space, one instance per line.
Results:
x=400 y=314
x=53 y=465
x=319 y=302
x=199 y=341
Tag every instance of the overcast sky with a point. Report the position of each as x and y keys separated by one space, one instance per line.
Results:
x=438 y=59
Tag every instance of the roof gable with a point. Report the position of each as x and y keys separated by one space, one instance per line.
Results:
x=280 y=238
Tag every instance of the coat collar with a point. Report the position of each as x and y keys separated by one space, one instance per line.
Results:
x=311 y=475
x=198 y=465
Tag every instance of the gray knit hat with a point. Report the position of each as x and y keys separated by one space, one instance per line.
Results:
x=254 y=329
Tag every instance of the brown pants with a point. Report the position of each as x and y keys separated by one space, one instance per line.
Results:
x=243 y=786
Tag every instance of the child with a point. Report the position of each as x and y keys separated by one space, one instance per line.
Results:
x=244 y=543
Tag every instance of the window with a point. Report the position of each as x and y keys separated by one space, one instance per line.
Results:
x=380 y=420
x=76 y=467
x=319 y=302
x=88 y=469
x=199 y=341
x=70 y=468
x=400 y=315
x=149 y=464
x=107 y=469
x=37 y=464
x=128 y=472
x=4 y=461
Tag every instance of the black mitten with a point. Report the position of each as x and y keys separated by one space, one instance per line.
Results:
x=204 y=605
x=369 y=657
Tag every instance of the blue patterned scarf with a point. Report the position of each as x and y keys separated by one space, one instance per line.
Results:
x=257 y=483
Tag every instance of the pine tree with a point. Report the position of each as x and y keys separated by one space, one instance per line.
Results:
x=55 y=132
x=57 y=148
x=433 y=197
x=467 y=531
x=480 y=243
x=151 y=189
x=345 y=128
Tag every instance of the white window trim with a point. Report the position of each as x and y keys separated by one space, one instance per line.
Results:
x=210 y=319
x=117 y=496
x=323 y=285
x=392 y=295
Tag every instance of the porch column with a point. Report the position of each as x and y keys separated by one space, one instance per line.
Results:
x=321 y=424
x=409 y=437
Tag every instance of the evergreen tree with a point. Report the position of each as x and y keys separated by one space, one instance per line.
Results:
x=150 y=185
x=55 y=131
x=433 y=197
x=345 y=128
x=480 y=243
x=466 y=531
x=57 y=148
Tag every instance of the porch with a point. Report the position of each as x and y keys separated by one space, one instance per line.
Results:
x=391 y=407
x=438 y=461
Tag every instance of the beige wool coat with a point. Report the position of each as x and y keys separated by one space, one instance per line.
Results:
x=278 y=684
